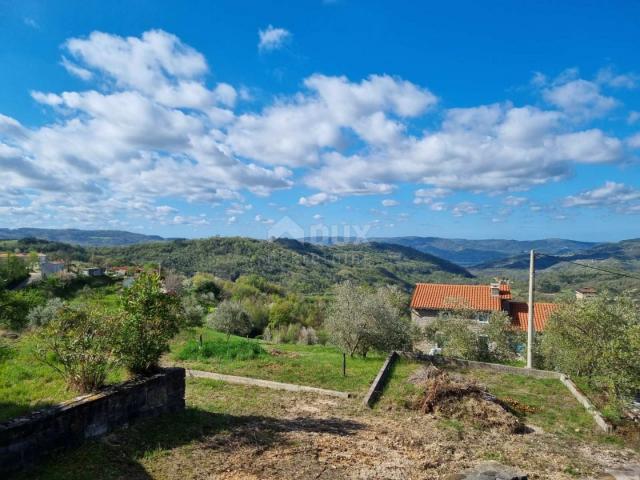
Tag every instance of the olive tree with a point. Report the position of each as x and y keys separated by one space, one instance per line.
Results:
x=388 y=328
x=347 y=318
x=503 y=337
x=598 y=339
x=231 y=318
x=359 y=320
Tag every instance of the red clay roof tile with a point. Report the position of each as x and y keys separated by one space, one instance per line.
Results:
x=443 y=296
x=519 y=312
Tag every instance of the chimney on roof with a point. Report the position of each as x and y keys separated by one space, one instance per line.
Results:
x=495 y=289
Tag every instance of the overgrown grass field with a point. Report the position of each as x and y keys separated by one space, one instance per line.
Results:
x=312 y=365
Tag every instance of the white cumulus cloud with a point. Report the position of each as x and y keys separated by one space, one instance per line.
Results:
x=272 y=38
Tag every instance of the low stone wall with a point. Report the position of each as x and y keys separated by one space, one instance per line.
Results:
x=381 y=379
x=496 y=367
x=605 y=426
x=25 y=440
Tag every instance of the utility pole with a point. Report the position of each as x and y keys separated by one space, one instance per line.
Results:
x=530 y=325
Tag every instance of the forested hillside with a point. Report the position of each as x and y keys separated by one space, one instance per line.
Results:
x=563 y=274
x=473 y=252
x=296 y=265
x=626 y=252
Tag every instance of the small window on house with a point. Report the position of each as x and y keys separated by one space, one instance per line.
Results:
x=482 y=317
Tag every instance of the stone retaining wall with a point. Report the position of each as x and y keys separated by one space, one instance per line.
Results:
x=381 y=379
x=460 y=363
x=24 y=440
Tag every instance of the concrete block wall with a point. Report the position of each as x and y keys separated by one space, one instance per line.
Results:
x=25 y=440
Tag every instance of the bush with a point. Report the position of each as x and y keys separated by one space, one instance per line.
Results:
x=456 y=336
x=504 y=339
x=267 y=336
x=258 y=315
x=15 y=306
x=237 y=349
x=41 y=315
x=78 y=343
x=462 y=337
x=307 y=336
x=13 y=270
x=230 y=318
x=283 y=312
x=149 y=319
x=5 y=350
x=204 y=283
x=193 y=311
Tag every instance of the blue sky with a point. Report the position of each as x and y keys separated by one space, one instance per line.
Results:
x=455 y=119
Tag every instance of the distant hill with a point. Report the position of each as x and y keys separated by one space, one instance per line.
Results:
x=625 y=252
x=299 y=266
x=79 y=237
x=473 y=252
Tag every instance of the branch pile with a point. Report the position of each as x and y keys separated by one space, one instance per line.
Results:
x=455 y=397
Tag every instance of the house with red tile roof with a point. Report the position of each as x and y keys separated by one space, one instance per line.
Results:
x=430 y=300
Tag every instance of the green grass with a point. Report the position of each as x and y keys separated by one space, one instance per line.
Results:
x=555 y=409
x=27 y=384
x=399 y=392
x=233 y=349
x=312 y=365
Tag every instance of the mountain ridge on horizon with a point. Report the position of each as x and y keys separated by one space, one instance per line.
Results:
x=464 y=252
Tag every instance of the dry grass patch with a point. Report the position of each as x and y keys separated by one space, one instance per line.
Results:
x=233 y=432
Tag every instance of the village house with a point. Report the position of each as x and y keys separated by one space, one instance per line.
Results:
x=431 y=300
x=585 y=293
x=93 y=272
x=123 y=271
x=51 y=268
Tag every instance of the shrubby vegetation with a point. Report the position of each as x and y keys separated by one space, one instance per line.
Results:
x=13 y=270
x=599 y=340
x=149 y=319
x=460 y=336
x=84 y=342
x=236 y=349
x=16 y=305
x=42 y=315
x=79 y=343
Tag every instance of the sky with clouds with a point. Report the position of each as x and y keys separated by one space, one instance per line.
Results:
x=378 y=118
